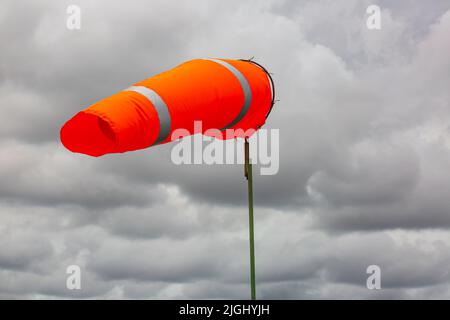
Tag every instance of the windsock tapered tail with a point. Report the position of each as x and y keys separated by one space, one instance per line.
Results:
x=222 y=94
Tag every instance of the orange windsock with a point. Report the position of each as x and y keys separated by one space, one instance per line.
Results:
x=222 y=94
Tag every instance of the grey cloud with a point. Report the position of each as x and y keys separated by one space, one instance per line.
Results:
x=422 y=203
x=364 y=151
x=171 y=264
x=45 y=175
x=21 y=250
x=352 y=258
x=373 y=174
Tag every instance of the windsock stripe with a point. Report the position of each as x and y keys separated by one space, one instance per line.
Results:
x=245 y=87
x=161 y=110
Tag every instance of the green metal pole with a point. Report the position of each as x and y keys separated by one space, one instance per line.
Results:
x=249 y=176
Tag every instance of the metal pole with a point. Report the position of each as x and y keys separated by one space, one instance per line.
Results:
x=249 y=176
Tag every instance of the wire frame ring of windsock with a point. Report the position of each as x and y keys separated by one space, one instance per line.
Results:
x=222 y=94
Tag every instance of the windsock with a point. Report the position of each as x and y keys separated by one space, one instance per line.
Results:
x=223 y=94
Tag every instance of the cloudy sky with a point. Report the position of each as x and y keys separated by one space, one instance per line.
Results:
x=364 y=120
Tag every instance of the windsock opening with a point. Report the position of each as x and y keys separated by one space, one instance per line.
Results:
x=89 y=134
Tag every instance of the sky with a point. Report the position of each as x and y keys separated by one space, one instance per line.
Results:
x=364 y=125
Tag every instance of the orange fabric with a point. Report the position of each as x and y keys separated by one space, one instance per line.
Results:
x=197 y=90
